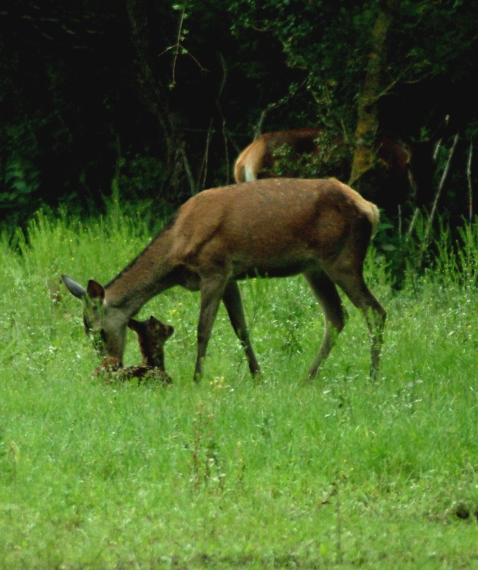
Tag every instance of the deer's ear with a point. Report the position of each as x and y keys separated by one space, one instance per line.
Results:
x=73 y=287
x=95 y=290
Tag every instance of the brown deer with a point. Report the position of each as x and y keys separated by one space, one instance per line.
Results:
x=275 y=228
x=152 y=334
x=393 y=158
x=257 y=159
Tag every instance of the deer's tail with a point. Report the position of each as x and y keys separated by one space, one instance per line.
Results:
x=373 y=215
x=239 y=172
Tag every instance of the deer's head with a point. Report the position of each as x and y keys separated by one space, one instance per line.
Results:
x=100 y=321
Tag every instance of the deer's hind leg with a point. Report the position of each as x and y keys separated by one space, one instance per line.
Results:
x=354 y=286
x=335 y=315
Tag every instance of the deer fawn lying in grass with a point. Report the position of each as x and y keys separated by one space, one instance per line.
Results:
x=152 y=334
x=275 y=228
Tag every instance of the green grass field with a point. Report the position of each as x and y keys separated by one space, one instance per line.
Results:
x=235 y=473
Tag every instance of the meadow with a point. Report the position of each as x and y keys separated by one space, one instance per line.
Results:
x=342 y=472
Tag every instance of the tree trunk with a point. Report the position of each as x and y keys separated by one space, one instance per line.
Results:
x=364 y=159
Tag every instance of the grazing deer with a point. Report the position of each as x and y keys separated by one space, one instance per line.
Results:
x=276 y=228
x=152 y=334
x=393 y=158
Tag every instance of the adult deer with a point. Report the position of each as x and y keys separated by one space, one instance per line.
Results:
x=396 y=180
x=275 y=228
x=258 y=158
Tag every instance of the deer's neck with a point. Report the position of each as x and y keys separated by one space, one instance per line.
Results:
x=146 y=276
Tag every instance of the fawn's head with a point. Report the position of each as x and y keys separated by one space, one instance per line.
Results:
x=152 y=334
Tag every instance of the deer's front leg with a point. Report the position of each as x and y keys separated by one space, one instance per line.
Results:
x=212 y=290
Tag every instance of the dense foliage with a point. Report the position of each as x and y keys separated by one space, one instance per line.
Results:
x=156 y=99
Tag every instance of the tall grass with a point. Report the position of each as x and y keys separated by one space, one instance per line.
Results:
x=276 y=473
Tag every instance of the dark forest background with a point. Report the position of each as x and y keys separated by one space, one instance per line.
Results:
x=154 y=100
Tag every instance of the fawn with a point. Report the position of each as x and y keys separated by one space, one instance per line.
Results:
x=152 y=334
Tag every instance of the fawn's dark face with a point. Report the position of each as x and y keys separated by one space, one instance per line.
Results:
x=157 y=331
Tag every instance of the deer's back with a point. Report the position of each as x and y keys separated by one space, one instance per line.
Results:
x=270 y=220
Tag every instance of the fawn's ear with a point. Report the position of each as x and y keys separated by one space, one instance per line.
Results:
x=73 y=287
x=95 y=290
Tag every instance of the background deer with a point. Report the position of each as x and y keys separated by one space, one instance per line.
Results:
x=152 y=334
x=401 y=174
x=276 y=228
x=258 y=159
